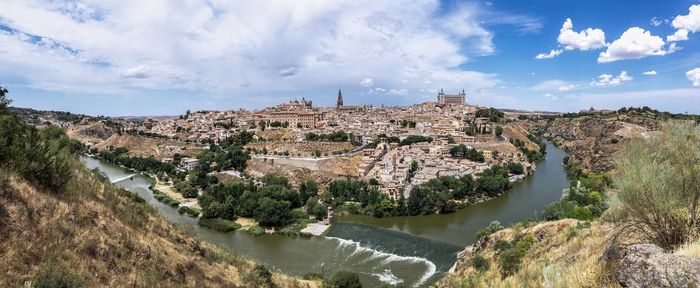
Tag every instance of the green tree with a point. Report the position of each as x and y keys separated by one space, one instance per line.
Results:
x=273 y=213
x=498 y=131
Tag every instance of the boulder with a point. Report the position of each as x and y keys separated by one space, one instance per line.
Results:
x=647 y=265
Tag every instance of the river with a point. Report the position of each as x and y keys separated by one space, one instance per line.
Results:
x=412 y=251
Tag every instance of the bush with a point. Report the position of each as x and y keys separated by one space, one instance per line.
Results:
x=509 y=261
x=657 y=184
x=480 y=263
x=189 y=211
x=56 y=276
x=261 y=277
x=218 y=224
x=345 y=279
x=256 y=230
x=488 y=230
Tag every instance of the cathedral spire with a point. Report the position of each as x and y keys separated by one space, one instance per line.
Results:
x=339 y=104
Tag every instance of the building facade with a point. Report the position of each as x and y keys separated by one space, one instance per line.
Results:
x=451 y=99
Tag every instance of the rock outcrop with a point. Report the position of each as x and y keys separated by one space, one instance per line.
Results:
x=592 y=141
x=646 y=265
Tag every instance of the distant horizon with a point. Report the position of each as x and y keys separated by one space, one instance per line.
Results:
x=331 y=107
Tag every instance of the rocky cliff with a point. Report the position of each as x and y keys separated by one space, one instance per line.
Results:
x=593 y=140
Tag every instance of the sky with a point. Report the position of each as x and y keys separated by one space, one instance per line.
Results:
x=162 y=57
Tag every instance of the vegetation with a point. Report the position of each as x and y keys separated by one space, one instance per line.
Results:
x=658 y=186
x=338 y=136
x=493 y=114
x=57 y=276
x=583 y=200
x=162 y=197
x=441 y=195
x=415 y=139
x=463 y=152
x=189 y=211
x=218 y=224
x=488 y=230
x=344 y=279
x=271 y=205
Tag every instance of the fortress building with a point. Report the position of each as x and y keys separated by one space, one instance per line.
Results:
x=451 y=99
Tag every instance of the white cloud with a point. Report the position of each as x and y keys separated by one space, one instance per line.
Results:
x=568 y=87
x=610 y=80
x=694 y=76
x=690 y=22
x=556 y=84
x=551 y=54
x=241 y=47
x=367 y=82
x=650 y=73
x=585 y=40
x=655 y=21
x=680 y=35
x=634 y=43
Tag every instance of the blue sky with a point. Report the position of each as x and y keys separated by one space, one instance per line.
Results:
x=164 y=57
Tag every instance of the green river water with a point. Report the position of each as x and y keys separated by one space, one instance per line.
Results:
x=412 y=251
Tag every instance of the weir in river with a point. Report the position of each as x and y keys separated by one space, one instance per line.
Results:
x=411 y=251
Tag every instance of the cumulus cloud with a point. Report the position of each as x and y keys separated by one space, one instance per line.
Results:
x=585 y=40
x=610 y=80
x=694 y=76
x=690 y=22
x=241 y=47
x=650 y=73
x=551 y=54
x=635 y=43
x=367 y=82
x=679 y=35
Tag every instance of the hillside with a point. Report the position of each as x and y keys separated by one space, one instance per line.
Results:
x=99 y=235
x=592 y=140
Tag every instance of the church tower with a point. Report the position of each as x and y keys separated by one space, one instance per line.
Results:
x=339 y=104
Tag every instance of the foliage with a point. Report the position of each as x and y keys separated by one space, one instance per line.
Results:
x=338 y=136
x=345 y=279
x=463 y=152
x=578 y=202
x=488 y=230
x=493 y=114
x=657 y=183
x=415 y=139
x=189 y=211
x=218 y=224
x=261 y=277
x=56 y=276
x=515 y=168
x=480 y=263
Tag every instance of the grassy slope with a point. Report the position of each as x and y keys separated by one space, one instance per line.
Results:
x=566 y=253
x=109 y=238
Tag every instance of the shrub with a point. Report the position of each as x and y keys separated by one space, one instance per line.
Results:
x=256 y=230
x=480 y=263
x=657 y=184
x=56 y=276
x=261 y=277
x=488 y=230
x=189 y=211
x=345 y=279
x=218 y=224
x=509 y=261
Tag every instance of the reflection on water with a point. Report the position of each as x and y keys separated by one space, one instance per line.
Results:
x=394 y=255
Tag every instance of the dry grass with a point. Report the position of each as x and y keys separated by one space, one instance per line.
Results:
x=691 y=248
x=566 y=254
x=109 y=238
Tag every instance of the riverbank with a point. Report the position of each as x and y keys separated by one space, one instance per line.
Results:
x=384 y=255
